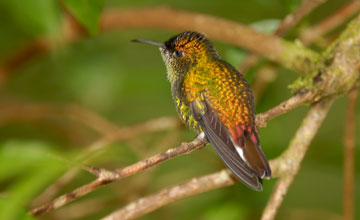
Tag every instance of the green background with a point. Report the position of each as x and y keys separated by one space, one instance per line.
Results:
x=126 y=83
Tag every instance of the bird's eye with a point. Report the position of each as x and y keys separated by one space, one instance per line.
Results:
x=178 y=53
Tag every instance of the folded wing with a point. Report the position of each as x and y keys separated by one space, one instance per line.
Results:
x=220 y=137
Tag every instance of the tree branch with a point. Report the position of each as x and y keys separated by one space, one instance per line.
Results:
x=123 y=133
x=337 y=72
x=105 y=177
x=292 y=19
x=168 y=195
x=349 y=157
x=288 y=54
x=285 y=106
x=288 y=164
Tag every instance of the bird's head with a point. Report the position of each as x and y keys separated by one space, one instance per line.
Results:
x=183 y=52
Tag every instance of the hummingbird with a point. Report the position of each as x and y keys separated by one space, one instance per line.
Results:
x=213 y=98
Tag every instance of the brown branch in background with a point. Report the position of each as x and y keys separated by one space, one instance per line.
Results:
x=223 y=178
x=81 y=209
x=71 y=31
x=25 y=112
x=35 y=48
x=240 y=35
x=124 y=133
x=349 y=156
x=334 y=20
x=267 y=74
x=291 y=159
x=170 y=19
x=292 y=19
x=287 y=23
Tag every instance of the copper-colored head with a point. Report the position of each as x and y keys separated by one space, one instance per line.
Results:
x=184 y=51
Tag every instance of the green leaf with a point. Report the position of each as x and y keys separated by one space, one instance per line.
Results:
x=37 y=17
x=26 y=168
x=17 y=158
x=86 y=12
x=267 y=26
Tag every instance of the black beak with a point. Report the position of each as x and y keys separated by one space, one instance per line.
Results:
x=159 y=44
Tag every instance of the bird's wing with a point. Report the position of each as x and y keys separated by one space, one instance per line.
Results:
x=220 y=138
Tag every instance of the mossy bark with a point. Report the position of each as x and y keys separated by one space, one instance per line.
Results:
x=336 y=70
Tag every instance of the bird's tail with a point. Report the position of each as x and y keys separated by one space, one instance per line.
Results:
x=247 y=144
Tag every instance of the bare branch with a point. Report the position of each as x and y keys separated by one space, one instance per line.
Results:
x=349 y=157
x=285 y=106
x=123 y=133
x=195 y=186
x=105 y=177
x=334 y=20
x=288 y=164
x=292 y=19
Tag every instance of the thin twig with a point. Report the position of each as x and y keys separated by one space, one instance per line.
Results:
x=123 y=133
x=287 y=23
x=291 y=159
x=349 y=156
x=150 y=203
x=285 y=106
x=328 y=24
x=105 y=177
x=292 y=19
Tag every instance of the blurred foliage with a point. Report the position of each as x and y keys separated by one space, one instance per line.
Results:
x=126 y=84
x=87 y=12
